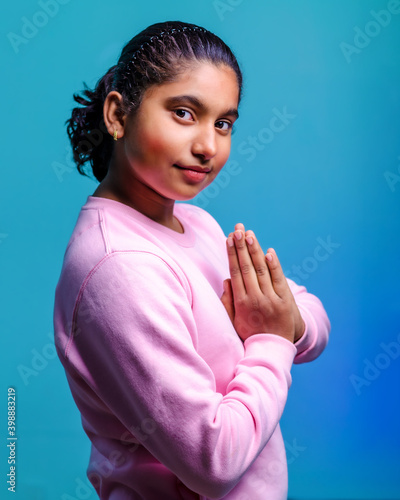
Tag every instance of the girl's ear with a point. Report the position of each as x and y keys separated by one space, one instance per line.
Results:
x=113 y=115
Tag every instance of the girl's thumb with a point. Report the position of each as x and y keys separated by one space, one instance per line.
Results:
x=227 y=298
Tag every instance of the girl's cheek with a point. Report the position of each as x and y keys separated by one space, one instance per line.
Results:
x=224 y=155
x=164 y=140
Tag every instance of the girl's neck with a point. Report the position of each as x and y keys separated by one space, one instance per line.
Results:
x=142 y=199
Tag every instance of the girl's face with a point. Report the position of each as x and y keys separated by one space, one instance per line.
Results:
x=180 y=138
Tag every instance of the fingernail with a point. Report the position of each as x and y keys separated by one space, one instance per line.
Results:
x=230 y=242
x=249 y=240
x=268 y=257
x=238 y=235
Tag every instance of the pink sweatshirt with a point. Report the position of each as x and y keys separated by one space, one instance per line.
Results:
x=175 y=405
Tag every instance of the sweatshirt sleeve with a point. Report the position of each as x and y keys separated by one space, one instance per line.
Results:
x=318 y=327
x=133 y=343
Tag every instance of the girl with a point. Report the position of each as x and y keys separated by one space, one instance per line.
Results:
x=177 y=342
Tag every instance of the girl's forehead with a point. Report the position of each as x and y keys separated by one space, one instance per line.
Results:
x=203 y=73
x=207 y=81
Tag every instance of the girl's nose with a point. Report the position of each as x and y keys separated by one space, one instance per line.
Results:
x=205 y=144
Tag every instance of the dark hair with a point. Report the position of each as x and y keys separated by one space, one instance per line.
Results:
x=156 y=55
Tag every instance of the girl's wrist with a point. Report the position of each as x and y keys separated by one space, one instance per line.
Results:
x=300 y=329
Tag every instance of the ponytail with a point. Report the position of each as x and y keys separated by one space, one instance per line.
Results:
x=86 y=129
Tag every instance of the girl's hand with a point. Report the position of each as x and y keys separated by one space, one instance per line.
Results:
x=299 y=325
x=257 y=297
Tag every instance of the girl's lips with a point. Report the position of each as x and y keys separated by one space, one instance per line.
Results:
x=194 y=173
x=196 y=168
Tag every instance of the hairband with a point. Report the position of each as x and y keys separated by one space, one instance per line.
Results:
x=160 y=35
x=171 y=31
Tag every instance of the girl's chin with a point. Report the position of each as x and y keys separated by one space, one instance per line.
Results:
x=189 y=194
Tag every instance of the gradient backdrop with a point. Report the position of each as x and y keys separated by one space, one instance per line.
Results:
x=314 y=170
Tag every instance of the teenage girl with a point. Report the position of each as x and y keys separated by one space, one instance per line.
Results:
x=177 y=342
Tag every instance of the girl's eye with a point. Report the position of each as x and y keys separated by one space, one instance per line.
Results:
x=225 y=126
x=182 y=113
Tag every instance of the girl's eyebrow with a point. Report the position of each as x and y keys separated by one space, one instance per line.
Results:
x=181 y=99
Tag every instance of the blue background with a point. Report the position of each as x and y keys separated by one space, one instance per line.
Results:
x=331 y=174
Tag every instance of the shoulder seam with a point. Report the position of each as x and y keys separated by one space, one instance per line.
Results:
x=104 y=231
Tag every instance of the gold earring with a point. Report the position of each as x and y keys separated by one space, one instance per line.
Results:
x=115 y=134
